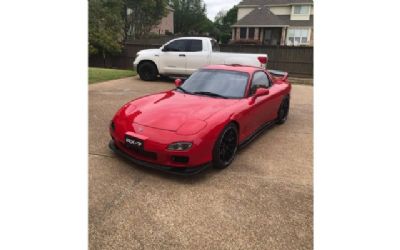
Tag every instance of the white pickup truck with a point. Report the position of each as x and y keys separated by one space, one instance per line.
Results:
x=183 y=56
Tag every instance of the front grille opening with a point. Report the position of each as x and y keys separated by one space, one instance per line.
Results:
x=180 y=159
x=147 y=154
x=140 y=152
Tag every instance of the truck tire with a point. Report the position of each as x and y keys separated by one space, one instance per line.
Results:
x=147 y=71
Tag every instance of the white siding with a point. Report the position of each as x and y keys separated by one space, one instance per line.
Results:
x=281 y=10
x=243 y=12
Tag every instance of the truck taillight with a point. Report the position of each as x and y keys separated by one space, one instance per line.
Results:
x=262 y=59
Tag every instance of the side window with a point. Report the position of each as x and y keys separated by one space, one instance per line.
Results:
x=215 y=46
x=260 y=80
x=195 y=45
x=178 y=45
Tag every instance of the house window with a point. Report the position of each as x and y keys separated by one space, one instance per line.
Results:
x=297 y=37
x=301 y=9
x=251 y=33
x=243 y=32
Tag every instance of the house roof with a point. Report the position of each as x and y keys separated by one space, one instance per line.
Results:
x=263 y=17
x=274 y=2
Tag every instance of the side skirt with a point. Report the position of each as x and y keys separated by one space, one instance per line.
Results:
x=259 y=131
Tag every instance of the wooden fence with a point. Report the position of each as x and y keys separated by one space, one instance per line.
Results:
x=298 y=61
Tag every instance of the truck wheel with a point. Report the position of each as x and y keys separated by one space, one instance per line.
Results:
x=147 y=71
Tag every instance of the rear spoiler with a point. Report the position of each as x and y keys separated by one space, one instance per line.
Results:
x=280 y=75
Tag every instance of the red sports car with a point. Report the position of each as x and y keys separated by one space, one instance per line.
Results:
x=203 y=121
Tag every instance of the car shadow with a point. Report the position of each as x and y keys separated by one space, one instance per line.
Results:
x=183 y=179
x=163 y=79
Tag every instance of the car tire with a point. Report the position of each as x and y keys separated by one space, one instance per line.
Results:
x=283 y=111
x=147 y=71
x=225 y=147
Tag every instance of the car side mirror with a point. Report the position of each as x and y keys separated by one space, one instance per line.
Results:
x=261 y=92
x=178 y=82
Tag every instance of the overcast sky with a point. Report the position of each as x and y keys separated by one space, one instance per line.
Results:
x=213 y=6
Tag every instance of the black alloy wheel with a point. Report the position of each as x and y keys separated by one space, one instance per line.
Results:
x=283 y=111
x=226 y=146
x=147 y=71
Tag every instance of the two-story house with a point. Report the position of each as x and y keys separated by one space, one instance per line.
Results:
x=163 y=27
x=166 y=24
x=274 y=22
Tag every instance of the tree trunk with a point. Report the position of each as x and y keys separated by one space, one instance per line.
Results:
x=104 y=58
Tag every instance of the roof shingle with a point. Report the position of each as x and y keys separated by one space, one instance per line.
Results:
x=262 y=17
x=274 y=2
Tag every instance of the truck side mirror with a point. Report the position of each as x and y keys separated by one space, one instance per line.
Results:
x=165 y=48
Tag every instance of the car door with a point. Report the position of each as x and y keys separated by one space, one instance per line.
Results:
x=274 y=98
x=173 y=57
x=197 y=54
x=263 y=107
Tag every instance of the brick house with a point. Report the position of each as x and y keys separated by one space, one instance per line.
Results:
x=166 y=23
x=274 y=22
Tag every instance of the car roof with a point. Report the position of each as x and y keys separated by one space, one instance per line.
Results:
x=234 y=67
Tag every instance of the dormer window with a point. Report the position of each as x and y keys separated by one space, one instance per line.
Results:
x=301 y=9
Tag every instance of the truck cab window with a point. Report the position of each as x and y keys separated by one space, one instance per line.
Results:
x=215 y=46
x=195 y=45
x=177 y=45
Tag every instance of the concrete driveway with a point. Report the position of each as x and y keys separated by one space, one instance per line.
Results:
x=264 y=200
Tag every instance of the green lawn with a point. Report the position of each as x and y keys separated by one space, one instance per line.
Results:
x=101 y=75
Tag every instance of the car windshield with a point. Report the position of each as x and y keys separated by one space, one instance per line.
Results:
x=217 y=83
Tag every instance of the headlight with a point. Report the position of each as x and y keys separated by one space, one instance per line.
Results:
x=179 y=146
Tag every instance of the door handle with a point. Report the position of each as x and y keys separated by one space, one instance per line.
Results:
x=182 y=55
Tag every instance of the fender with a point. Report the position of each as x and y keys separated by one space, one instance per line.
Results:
x=151 y=55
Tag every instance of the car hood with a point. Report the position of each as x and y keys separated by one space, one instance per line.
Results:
x=170 y=110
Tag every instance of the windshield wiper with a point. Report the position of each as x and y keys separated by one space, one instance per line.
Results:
x=183 y=90
x=209 y=94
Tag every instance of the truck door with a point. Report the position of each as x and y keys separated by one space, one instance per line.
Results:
x=173 y=57
x=197 y=54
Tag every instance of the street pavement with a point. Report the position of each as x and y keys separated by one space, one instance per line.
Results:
x=264 y=200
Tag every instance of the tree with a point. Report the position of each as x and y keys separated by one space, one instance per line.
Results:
x=219 y=16
x=106 y=24
x=190 y=17
x=142 y=15
x=223 y=23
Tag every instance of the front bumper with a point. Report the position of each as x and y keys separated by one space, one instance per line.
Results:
x=164 y=168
